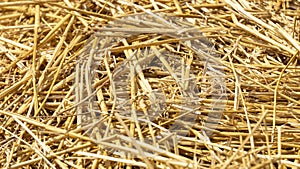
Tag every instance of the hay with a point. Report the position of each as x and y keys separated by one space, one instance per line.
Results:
x=101 y=84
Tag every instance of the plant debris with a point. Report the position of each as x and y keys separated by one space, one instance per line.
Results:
x=74 y=92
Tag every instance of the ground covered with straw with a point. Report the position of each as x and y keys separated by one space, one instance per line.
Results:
x=149 y=84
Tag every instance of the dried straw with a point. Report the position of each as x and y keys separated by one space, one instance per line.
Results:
x=46 y=94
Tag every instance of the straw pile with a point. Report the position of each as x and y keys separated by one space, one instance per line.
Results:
x=59 y=104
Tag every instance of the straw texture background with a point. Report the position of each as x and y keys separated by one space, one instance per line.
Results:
x=257 y=43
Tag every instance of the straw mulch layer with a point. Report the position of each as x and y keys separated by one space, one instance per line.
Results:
x=59 y=104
